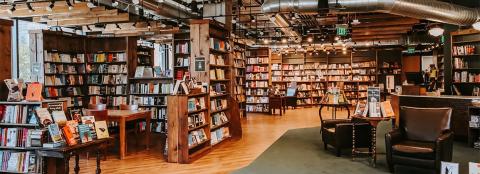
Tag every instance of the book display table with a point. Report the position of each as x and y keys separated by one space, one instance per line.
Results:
x=63 y=154
x=373 y=121
x=334 y=111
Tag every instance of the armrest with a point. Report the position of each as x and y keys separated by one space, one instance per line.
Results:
x=444 y=146
x=392 y=138
x=333 y=123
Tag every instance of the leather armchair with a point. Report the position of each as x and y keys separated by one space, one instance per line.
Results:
x=338 y=134
x=422 y=140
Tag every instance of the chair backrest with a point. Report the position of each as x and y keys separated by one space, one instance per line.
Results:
x=97 y=106
x=100 y=115
x=128 y=107
x=424 y=124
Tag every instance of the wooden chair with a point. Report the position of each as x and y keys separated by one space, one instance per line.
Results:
x=275 y=103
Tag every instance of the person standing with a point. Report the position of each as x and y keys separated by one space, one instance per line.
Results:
x=433 y=76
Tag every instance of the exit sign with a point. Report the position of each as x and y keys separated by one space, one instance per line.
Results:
x=411 y=50
x=342 y=29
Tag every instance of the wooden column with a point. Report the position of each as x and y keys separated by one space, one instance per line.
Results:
x=5 y=55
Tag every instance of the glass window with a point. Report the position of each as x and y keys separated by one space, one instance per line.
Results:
x=22 y=46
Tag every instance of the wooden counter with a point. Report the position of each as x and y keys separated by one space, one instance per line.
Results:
x=459 y=104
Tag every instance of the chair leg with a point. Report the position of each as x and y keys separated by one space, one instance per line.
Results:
x=339 y=151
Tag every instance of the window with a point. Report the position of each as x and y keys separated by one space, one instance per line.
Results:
x=21 y=47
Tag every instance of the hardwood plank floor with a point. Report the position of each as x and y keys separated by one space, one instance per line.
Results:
x=259 y=132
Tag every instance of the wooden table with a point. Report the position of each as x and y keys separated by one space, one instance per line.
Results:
x=276 y=102
x=373 y=121
x=123 y=116
x=63 y=154
x=334 y=106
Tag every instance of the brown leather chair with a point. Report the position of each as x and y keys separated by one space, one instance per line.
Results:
x=338 y=134
x=422 y=140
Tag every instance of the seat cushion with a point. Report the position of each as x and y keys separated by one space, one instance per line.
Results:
x=331 y=130
x=416 y=149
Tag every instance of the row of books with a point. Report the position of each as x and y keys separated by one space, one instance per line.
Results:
x=217 y=89
x=255 y=99
x=257 y=84
x=292 y=67
x=303 y=94
x=463 y=50
x=182 y=61
x=73 y=101
x=219 y=134
x=20 y=114
x=219 y=119
x=257 y=108
x=60 y=80
x=304 y=101
x=51 y=92
x=257 y=76
x=160 y=127
x=364 y=64
x=106 y=57
x=196 y=120
x=216 y=59
x=256 y=92
x=218 y=44
x=196 y=137
x=315 y=66
x=464 y=76
x=339 y=66
x=107 y=90
x=258 y=60
x=108 y=100
x=183 y=48
x=218 y=104
x=460 y=63
x=257 y=68
x=217 y=74
x=64 y=58
x=158 y=113
x=15 y=137
x=107 y=79
x=18 y=162
x=364 y=71
x=106 y=68
x=148 y=101
x=151 y=88
x=304 y=86
x=64 y=69
x=363 y=78
x=239 y=63
x=196 y=103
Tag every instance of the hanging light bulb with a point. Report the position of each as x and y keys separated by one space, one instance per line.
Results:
x=476 y=25
x=252 y=18
x=284 y=40
x=436 y=31
x=310 y=39
x=148 y=25
x=337 y=38
x=69 y=4
x=114 y=3
x=136 y=1
x=12 y=9
x=30 y=8
x=50 y=7
x=266 y=41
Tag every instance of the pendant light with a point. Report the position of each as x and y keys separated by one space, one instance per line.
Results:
x=436 y=31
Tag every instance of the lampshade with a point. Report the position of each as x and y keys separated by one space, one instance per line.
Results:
x=436 y=31
x=476 y=25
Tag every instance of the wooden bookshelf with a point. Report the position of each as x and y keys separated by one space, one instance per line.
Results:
x=181 y=54
x=35 y=162
x=239 y=67
x=257 y=79
x=465 y=64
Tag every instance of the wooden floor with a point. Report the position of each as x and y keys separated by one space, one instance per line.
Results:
x=259 y=132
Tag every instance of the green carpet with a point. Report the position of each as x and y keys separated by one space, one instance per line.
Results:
x=300 y=151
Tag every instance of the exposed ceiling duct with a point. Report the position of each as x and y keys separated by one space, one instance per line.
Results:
x=421 y=9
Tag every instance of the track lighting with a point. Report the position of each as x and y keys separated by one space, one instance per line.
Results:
x=50 y=7
x=252 y=18
x=11 y=9
x=30 y=8
x=118 y=26
x=91 y=4
x=114 y=3
x=69 y=4
x=436 y=31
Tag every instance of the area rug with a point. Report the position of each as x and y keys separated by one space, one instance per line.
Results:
x=300 y=151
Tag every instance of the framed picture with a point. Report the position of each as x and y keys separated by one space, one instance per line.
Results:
x=199 y=63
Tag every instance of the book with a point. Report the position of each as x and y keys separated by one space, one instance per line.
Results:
x=69 y=136
x=373 y=102
x=44 y=116
x=34 y=92
x=90 y=122
x=360 y=108
x=55 y=133
x=139 y=71
x=15 y=88
x=449 y=168
x=473 y=168
x=387 y=110
x=85 y=134
x=59 y=117
x=101 y=129
x=75 y=114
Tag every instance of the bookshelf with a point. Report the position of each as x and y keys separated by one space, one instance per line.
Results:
x=257 y=79
x=145 y=54
x=466 y=67
x=276 y=74
x=239 y=76
x=181 y=55
x=19 y=119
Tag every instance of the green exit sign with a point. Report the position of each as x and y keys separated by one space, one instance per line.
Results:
x=411 y=50
x=342 y=29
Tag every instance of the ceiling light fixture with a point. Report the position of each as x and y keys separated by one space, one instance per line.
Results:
x=148 y=25
x=91 y=4
x=69 y=4
x=436 y=31
x=310 y=39
x=266 y=41
x=252 y=18
x=30 y=8
x=50 y=7
x=163 y=25
x=355 y=22
x=476 y=25
x=114 y=3
x=11 y=9
x=284 y=40
x=337 y=38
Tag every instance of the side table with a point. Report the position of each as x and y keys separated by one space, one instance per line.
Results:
x=373 y=121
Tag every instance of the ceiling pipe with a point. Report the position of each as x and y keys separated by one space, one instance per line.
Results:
x=284 y=25
x=421 y=9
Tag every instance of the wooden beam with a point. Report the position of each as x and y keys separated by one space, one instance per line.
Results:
x=122 y=17
x=42 y=11
x=90 y=14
